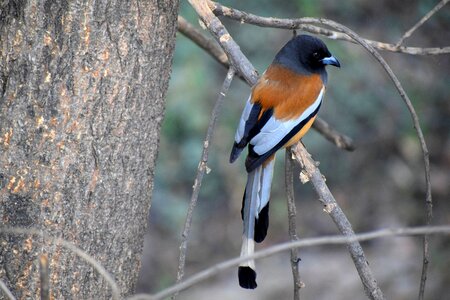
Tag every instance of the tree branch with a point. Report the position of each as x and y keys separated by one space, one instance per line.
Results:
x=305 y=24
x=236 y=57
x=292 y=23
x=340 y=140
x=202 y=169
x=292 y=214
x=425 y=18
x=309 y=242
x=77 y=251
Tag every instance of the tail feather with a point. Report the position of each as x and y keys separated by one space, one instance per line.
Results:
x=262 y=224
x=247 y=278
x=262 y=221
x=255 y=215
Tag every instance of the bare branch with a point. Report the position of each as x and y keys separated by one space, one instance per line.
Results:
x=421 y=22
x=342 y=223
x=202 y=169
x=291 y=23
x=77 y=251
x=309 y=242
x=6 y=291
x=302 y=24
x=44 y=277
x=292 y=214
x=234 y=54
x=211 y=47
x=340 y=140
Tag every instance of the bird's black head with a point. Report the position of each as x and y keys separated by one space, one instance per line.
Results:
x=306 y=54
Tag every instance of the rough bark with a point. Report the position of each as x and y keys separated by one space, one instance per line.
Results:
x=82 y=87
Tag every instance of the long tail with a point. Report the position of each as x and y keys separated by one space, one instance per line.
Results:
x=255 y=214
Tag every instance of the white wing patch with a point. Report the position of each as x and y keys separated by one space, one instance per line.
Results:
x=244 y=117
x=275 y=130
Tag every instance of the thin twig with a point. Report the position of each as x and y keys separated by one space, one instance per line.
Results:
x=305 y=24
x=308 y=242
x=77 y=251
x=273 y=22
x=340 y=140
x=212 y=48
x=425 y=18
x=342 y=223
x=6 y=291
x=202 y=169
x=44 y=275
x=292 y=214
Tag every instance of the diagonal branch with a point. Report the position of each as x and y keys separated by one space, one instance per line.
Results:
x=310 y=25
x=421 y=22
x=202 y=169
x=343 y=224
x=273 y=22
x=340 y=140
x=303 y=243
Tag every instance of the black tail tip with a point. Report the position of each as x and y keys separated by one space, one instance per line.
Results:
x=235 y=152
x=247 y=278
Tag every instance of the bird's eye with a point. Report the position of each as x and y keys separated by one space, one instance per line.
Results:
x=316 y=55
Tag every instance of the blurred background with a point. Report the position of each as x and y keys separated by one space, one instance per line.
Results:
x=379 y=185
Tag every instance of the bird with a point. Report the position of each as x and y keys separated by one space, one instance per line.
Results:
x=281 y=108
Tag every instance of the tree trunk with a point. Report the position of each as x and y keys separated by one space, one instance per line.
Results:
x=82 y=89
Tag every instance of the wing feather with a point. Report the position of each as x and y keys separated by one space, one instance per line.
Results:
x=275 y=130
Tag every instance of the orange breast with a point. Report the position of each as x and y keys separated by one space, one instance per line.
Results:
x=301 y=133
x=288 y=93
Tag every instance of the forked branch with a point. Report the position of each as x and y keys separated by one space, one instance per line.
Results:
x=294 y=23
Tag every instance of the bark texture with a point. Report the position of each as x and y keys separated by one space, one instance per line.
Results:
x=82 y=87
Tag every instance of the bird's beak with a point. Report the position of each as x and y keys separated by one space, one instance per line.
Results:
x=331 y=61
